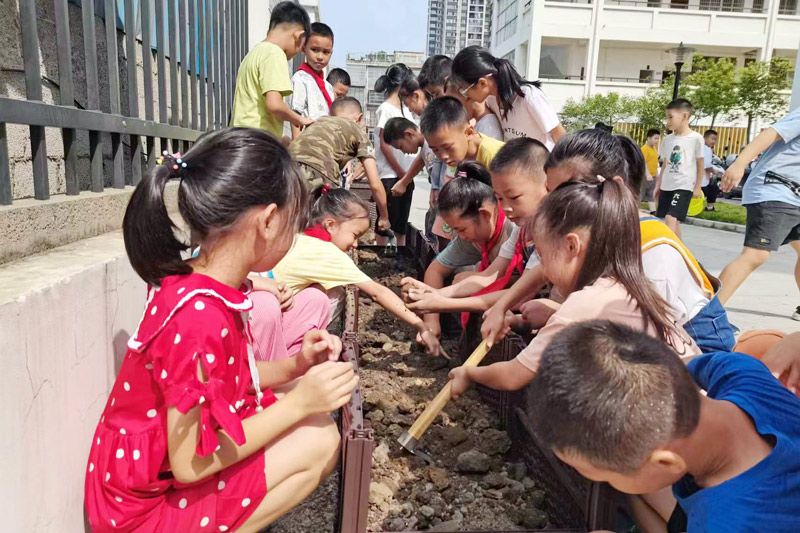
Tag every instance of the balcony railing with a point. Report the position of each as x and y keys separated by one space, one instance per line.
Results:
x=720 y=6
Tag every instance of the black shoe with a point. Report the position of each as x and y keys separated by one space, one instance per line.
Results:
x=796 y=314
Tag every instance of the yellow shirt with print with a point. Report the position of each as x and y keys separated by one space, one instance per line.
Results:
x=488 y=149
x=263 y=69
x=314 y=261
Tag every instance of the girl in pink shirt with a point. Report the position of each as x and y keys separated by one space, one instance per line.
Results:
x=588 y=241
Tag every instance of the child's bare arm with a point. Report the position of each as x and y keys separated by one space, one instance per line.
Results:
x=783 y=360
x=278 y=107
x=479 y=280
x=698 y=185
x=507 y=375
x=323 y=389
x=388 y=153
x=417 y=165
x=376 y=186
x=531 y=282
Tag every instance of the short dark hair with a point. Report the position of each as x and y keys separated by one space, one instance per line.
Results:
x=681 y=104
x=471 y=188
x=652 y=131
x=435 y=71
x=709 y=133
x=395 y=128
x=290 y=13
x=443 y=112
x=323 y=30
x=344 y=103
x=611 y=395
x=338 y=75
x=520 y=153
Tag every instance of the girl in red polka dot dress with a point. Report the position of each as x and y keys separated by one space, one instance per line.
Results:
x=197 y=435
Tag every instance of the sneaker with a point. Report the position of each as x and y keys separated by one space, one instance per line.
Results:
x=710 y=208
x=796 y=314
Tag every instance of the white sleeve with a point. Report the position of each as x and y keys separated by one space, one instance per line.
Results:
x=508 y=247
x=699 y=145
x=666 y=269
x=383 y=117
x=533 y=261
x=707 y=157
x=542 y=111
x=298 y=101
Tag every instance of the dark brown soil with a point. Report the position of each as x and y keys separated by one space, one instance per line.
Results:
x=471 y=486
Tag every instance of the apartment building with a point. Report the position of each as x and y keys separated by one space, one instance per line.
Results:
x=583 y=47
x=455 y=24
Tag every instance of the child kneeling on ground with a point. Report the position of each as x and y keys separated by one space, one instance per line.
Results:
x=192 y=437
x=319 y=257
x=620 y=407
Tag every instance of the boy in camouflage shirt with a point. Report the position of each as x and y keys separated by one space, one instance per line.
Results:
x=328 y=144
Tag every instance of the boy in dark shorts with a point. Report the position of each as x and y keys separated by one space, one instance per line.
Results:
x=772 y=198
x=682 y=171
x=620 y=406
x=330 y=143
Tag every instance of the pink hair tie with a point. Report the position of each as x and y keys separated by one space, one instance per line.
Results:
x=326 y=189
x=461 y=174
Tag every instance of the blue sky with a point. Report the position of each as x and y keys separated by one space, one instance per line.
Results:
x=361 y=26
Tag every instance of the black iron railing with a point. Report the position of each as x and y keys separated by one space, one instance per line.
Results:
x=206 y=40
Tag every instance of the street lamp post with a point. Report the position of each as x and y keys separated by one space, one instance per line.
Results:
x=680 y=53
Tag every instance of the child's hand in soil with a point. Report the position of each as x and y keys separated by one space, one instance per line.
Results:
x=324 y=388
x=411 y=284
x=425 y=302
x=318 y=346
x=431 y=342
x=459 y=379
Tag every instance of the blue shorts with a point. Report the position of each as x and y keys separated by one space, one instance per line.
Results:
x=710 y=328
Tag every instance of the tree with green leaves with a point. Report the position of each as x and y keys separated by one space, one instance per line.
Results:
x=649 y=109
x=607 y=108
x=759 y=86
x=712 y=86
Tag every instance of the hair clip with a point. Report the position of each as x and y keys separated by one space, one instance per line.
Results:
x=461 y=174
x=600 y=178
x=326 y=189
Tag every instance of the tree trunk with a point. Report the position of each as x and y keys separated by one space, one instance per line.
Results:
x=713 y=120
x=749 y=125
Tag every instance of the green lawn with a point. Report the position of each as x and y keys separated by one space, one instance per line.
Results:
x=735 y=214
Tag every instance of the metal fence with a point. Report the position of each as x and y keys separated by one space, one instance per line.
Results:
x=198 y=45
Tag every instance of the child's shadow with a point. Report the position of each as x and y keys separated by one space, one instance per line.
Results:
x=120 y=347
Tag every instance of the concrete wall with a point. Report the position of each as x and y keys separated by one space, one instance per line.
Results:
x=65 y=317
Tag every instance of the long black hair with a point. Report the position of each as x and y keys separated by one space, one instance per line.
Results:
x=471 y=188
x=226 y=173
x=609 y=210
x=599 y=153
x=474 y=62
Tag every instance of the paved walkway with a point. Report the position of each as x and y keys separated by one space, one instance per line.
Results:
x=765 y=301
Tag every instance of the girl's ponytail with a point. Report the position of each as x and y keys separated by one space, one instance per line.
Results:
x=149 y=233
x=339 y=204
x=471 y=188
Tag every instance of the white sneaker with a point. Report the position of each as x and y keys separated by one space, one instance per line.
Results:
x=796 y=314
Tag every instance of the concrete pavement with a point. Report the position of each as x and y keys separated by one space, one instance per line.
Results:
x=765 y=301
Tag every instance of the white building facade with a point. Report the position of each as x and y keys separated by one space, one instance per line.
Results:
x=585 y=47
x=456 y=24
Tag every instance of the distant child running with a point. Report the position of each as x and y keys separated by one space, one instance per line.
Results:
x=619 y=407
x=521 y=106
x=682 y=169
x=588 y=240
x=312 y=95
x=319 y=257
x=192 y=437
x=263 y=79
x=392 y=163
x=330 y=143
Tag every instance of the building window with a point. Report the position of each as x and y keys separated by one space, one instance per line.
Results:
x=506 y=19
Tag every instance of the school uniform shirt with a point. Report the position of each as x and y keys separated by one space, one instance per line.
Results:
x=765 y=497
x=262 y=70
x=782 y=157
x=329 y=144
x=490 y=126
x=488 y=149
x=460 y=253
x=607 y=300
x=314 y=261
x=189 y=320
x=307 y=99
x=531 y=115
x=651 y=159
x=385 y=112
x=510 y=246
x=680 y=152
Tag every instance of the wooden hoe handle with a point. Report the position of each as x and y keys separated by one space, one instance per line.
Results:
x=437 y=404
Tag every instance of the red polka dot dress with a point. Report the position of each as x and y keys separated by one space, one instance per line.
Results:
x=129 y=485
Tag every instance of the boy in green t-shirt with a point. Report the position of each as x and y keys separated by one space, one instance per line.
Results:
x=263 y=79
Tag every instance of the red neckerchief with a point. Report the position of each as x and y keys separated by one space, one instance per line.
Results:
x=320 y=82
x=489 y=246
x=318 y=232
x=517 y=263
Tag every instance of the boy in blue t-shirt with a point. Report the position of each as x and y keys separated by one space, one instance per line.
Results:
x=620 y=406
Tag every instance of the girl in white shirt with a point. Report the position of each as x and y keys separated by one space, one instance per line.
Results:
x=521 y=106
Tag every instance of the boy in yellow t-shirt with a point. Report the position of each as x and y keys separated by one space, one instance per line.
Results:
x=263 y=79
x=650 y=153
x=452 y=138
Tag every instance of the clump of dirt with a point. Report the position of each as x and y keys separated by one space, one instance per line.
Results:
x=471 y=486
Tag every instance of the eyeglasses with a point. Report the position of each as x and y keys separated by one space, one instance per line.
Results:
x=463 y=92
